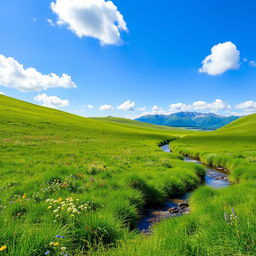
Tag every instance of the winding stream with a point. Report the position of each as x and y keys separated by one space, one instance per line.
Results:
x=214 y=177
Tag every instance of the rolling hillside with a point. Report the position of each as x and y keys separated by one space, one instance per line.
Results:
x=135 y=123
x=78 y=186
x=232 y=146
x=222 y=222
x=50 y=158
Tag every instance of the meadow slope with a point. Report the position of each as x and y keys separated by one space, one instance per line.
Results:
x=71 y=184
x=77 y=186
x=222 y=222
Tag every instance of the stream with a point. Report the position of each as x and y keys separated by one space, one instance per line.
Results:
x=214 y=177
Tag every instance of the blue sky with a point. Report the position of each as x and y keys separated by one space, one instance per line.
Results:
x=148 y=56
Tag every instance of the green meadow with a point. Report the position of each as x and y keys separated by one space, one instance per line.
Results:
x=78 y=186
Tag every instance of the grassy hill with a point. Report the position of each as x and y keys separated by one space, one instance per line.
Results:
x=232 y=146
x=222 y=222
x=77 y=186
x=135 y=123
x=85 y=179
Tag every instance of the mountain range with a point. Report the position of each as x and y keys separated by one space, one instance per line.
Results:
x=193 y=120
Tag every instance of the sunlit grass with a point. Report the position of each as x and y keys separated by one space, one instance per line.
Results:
x=78 y=186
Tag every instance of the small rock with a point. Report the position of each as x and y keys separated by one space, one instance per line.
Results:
x=174 y=210
x=183 y=205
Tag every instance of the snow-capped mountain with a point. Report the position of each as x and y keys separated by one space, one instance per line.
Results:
x=196 y=120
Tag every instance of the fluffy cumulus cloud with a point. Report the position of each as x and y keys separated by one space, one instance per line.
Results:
x=14 y=75
x=155 y=110
x=197 y=106
x=248 y=107
x=1 y=93
x=127 y=106
x=214 y=106
x=106 y=107
x=51 y=101
x=99 y=19
x=178 y=107
x=223 y=57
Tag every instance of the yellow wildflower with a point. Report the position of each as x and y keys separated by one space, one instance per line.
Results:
x=2 y=248
x=60 y=199
x=55 y=244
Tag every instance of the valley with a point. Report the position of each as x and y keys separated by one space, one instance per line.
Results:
x=90 y=181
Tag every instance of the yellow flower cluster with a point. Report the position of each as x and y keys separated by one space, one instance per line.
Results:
x=67 y=208
x=95 y=168
x=19 y=198
x=54 y=243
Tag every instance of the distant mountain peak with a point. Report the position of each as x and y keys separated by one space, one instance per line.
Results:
x=198 y=120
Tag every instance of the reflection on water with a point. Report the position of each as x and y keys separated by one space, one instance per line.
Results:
x=215 y=178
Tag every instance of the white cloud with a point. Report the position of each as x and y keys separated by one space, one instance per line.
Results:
x=142 y=109
x=223 y=57
x=214 y=106
x=127 y=106
x=252 y=63
x=51 y=101
x=1 y=93
x=178 y=107
x=94 y=18
x=156 y=110
x=249 y=107
x=14 y=75
x=51 y=22
x=197 y=106
x=88 y=106
x=106 y=107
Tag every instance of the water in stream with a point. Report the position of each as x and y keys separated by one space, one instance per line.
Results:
x=215 y=178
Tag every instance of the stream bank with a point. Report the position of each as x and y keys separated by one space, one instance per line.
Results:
x=175 y=207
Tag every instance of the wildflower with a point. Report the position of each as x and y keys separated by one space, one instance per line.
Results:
x=55 y=244
x=63 y=248
x=3 y=247
x=47 y=252
x=51 y=243
x=233 y=211
x=225 y=217
x=59 y=236
x=60 y=199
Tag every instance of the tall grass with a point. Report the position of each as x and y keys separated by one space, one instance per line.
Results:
x=105 y=173
x=79 y=186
